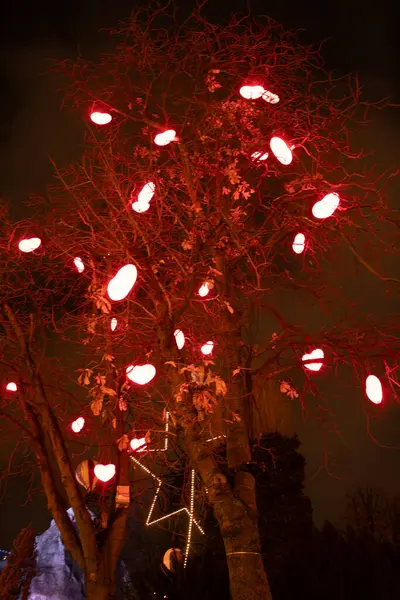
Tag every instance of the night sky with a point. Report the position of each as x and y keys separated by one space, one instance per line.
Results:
x=359 y=37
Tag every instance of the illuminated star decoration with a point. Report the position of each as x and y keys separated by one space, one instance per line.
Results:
x=190 y=512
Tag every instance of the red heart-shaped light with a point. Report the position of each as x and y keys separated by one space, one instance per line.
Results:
x=317 y=353
x=104 y=472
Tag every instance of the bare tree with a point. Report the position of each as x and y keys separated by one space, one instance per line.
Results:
x=220 y=215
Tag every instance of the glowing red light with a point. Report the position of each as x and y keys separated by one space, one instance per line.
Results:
x=179 y=338
x=299 y=243
x=270 y=97
x=138 y=444
x=104 y=472
x=11 y=387
x=29 y=245
x=373 y=389
x=281 y=150
x=204 y=289
x=163 y=139
x=260 y=156
x=113 y=324
x=80 y=267
x=120 y=285
x=317 y=353
x=251 y=92
x=326 y=207
x=143 y=200
x=141 y=374
x=100 y=118
x=207 y=348
x=78 y=425
x=140 y=207
x=146 y=193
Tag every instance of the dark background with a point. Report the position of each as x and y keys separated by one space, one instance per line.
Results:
x=358 y=37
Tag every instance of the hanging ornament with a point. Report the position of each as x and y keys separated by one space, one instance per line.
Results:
x=299 y=243
x=373 y=389
x=281 y=150
x=104 y=472
x=317 y=353
x=179 y=338
x=120 y=285
x=113 y=324
x=172 y=558
x=164 y=138
x=11 y=387
x=100 y=118
x=85 y=475
x=207 y=348
x=80 y=267
x=78 y=425
x=30 y=244
x=141 y=374
x=138 y=444
x=204 y=289
x=326 y=207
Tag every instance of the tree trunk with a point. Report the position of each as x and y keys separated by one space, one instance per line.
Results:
x=104 y=587
x=100 y=591
x=237 y=516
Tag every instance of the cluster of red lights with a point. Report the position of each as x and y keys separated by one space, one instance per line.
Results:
x=124 y=280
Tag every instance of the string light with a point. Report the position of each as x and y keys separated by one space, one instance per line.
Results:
x=113 y=324
x=141 y=374
x=166 y=430
x=179 y=338
x=207 y=348
x=373 y=389
x=11 y=386
x=190 y=513
x=190 y=526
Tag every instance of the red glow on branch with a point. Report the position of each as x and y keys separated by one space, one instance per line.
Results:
x=80 y=267
x=326 y=207
x=104 y=472
x=30 y=244
x=138 y=444
x=120 y=285
x=78 y=425
x=100 y=118
x=143 y=200
x=373 y=389
x=299 y=243
x=251 y=92
x=317 y=353
x=281 y=150
x=163 y=139
x=179 y=338
x=260 y=156
x=207 y=348
x=204 y=289
x=141 y=374
x=11 y=387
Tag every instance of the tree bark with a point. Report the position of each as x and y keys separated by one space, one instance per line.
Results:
x=235 y=509
x=237 y=515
